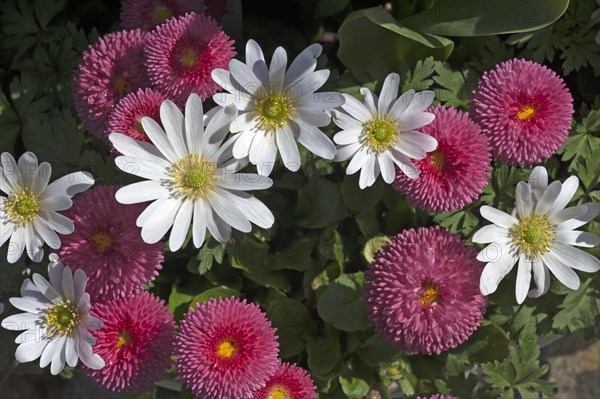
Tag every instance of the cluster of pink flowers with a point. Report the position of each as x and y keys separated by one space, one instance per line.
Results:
x=169 y=50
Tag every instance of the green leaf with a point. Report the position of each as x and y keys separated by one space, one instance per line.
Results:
x=326 y=8
x=214 y=293
x=372 y=35
x=354 y=388
x=293 y=323
x=373 y=246
x=583 y=140
x=331 y=246
x=420 y=77
x=323 y=353
x=455 y=86
x=359 y=200
x=149 y=394
x=486 y=17
x=296 y=256
x=341 y=303
x=211 y=251
x=320 y=204
x=580 y=309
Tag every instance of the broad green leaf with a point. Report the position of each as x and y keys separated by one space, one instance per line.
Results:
x=354 y=388
x=371 y=36
x=486 y=17
x=214 y=293
x=341 y=303
x=320 y=204
x=580 y=309
x=326 y=8
x=373 y=246
x=293 y=323
x=359 y=200
x=323 y=353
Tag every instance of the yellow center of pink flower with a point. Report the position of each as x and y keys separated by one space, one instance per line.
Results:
x=124 y=339
x=226 y=349
x=437 y=159
x=429 y=294
x=102 y=241
x=278 y=393
x=161 y=14
x=189 y=57
x=120 y=85
x=525 y=112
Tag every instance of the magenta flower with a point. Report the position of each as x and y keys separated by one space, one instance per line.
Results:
x=289 y=382
x=455 y=173
x=525 y=109
x=110 y=69
x=146 y=14
x=226 y=349
x=422 y=291
x=107 y=245
x=182 y=53
x=135 y=342
x=126 y=117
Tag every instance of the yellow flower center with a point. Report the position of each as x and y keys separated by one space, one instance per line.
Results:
x=380 y=133
x=124 y=339
x=226 y=349
x=102 y=240
x=533 y=235
x=525 y=112
x=278 y=393
x=274 y=110
x=161 y=14
x=189 y=57
x=22 y=207
x=194 y=176
x=429 y=294
x=437 y=159
x=61 y=318
x=137 y=125
x=120 y=85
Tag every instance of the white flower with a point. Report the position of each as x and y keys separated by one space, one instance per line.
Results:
x=57 y=320
x=29 y=214
x=276 y=107
x=381 y=132
x=190 y=176
x=539 y=235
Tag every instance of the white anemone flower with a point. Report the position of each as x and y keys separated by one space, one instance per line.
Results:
x=380 y=132
x=57 y=320
x=29 y=214
x=191 y=177
x=539 y=235
x=277 y=107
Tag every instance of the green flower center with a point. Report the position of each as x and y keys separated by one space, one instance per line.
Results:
x=102 y=240
x=22 y=207
x=380 y=133
x=189 y=57
x=429 y=293
x=437 y=159
x=161 y=14
x=274 y=110
x=194 y=176
x=533 y=235
x=61 y=318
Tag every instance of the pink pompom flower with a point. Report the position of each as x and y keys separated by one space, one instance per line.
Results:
x=182 y=53
x=135 y=341
x=226 y=349
x=110 y=69
x=107 y=245
x=525 y=109
x=126 y=117
x=146 y=14
x=422 y=291
x=455 y=173
x=288 y=382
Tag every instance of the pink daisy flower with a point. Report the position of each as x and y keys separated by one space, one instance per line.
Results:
x=436 y=396
x=226 y=349
x=126 y=117
x=146 y=14
x=525 y=109
x=110 y=69
x=422 y=291
x=289 y=382
x=455 y=173
x=181 y=54
x=107 y=245
x=135 y=342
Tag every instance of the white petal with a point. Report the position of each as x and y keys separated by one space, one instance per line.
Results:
x=41 y=178
x=592 y=210
x=358 y=161
x=69 y=185
x=72 y=352
x=348 y=136
x=541 y=276
x=21 y=321
x=194 y=125
x=254 y=210
x=548 y=198
x=217 y=129
x=242 y=145
x=56 y=203
x=160 y=139
x=55 y=274
x=401 y=104
x=308 y=85
x=356 y=109
x=389 y=93
x=315 y=140
x=142 y=168
x=79 y=283
x=494 y=272
x=155 y=229
x=345 y=121
x=220 y=202
x=416 y=120
x=143 y=191
x=523 y=278
x=88 y=358
x=303 y=64
x=325 y=100
x=491 y=233
x=11 y=171
x=368 y=173
x=16 y=245
x=538 y=180
x=28 y=165
x=524 y=200
x=313 y=117
x=256 y=60
x=181 y=225
x=288 y=148
x=172 y=119
x=567 y=215
x=67 y=285
x=59 y=358
x=34 y=244
x=46 y=289
x=220 y=230
x=263 y=153
x=6 y=229
x=561 y=271
x=404 y=164
x=30 y=351
x=244 y=181
x=427 y=142
x=575 y=258
x=244 y=76
x=568 y=189
x=199 y=223
x=387 y=168
x=58 y=222
x=420 y=102
x=29 y=305
x=370 y=100
x=578 y=238
x=498 y=217
x=48 y=353
x=244 y=121
x=138 y=149
x=410 y=148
